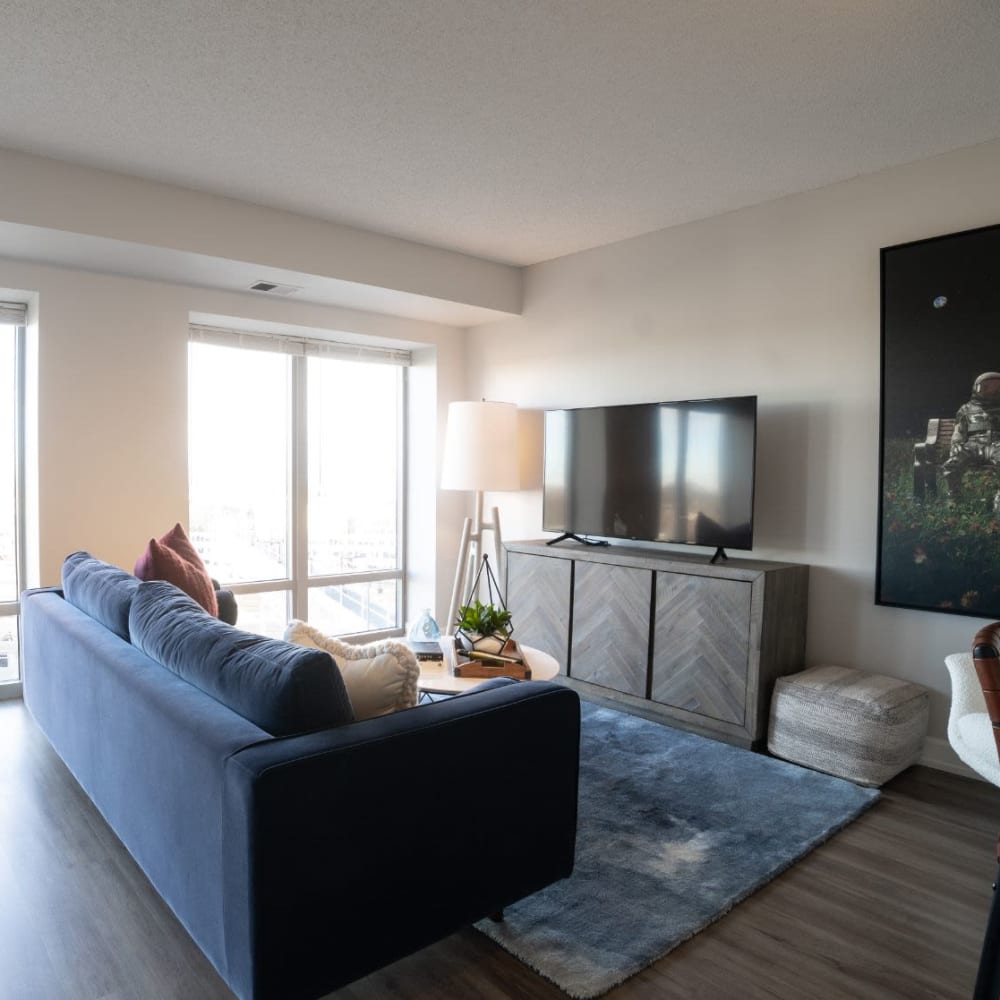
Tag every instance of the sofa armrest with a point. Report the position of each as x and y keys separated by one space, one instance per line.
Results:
x=58 y=591
x=356 y=846
x=228 y=608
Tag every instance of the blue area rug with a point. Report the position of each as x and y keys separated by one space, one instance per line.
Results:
x=674 y=830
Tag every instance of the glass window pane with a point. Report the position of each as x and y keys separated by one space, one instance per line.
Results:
x=347 y=609
x=9 y=584
x=9 y=659
x=264 y=614
x=354 y=452
x=238 y=447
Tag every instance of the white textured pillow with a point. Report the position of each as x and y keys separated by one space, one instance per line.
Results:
x=381 y=677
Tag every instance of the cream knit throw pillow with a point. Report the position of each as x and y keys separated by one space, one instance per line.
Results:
x=381 y=677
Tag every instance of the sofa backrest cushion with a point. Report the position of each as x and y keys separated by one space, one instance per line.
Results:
x=283 y=688
x=100 y=590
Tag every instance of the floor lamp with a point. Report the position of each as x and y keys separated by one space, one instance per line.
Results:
x=480 y=454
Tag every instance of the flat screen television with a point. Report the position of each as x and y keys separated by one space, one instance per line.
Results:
x=680 y=472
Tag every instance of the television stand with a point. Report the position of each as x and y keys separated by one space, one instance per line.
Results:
x=720 y=553
x=664 y=633
x=568 y=535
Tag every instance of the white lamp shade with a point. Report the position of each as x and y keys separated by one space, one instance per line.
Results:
x=480 y=447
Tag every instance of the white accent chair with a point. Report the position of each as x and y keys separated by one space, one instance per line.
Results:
x=974 y=733
x=970 y=731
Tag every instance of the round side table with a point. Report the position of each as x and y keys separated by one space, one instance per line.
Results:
x=436 y=676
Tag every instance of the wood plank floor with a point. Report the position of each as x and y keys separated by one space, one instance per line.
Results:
x=893 y=906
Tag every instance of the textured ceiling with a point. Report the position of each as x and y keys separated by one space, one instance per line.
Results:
x=516 y=130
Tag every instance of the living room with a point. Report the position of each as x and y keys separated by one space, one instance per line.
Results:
x=774 y=293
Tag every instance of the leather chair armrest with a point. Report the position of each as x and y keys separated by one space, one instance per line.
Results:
x=986 y=644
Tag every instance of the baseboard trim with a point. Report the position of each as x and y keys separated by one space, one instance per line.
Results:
x=938 y=754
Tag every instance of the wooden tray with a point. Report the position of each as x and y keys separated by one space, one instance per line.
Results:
x=484 y=668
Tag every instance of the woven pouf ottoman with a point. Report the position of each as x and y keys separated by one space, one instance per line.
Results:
x=855 y=725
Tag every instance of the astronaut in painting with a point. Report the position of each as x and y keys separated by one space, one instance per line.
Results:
x=976 y=440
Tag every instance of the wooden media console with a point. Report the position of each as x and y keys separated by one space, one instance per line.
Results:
x=668 y=635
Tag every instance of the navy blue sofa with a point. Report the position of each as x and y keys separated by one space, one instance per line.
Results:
x=299 y=855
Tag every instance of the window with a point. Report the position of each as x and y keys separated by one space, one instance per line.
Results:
x=11 y=486
x=296 y=474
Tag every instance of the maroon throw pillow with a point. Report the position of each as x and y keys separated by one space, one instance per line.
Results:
x=176 y=538
x=173 y=558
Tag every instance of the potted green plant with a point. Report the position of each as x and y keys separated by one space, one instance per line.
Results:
x=483 y=627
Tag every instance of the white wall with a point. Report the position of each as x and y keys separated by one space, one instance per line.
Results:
x=781 y=301
x=111 y=438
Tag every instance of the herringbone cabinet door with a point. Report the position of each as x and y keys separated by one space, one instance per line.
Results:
x=538 y=592
x=671 y=635
x=611 y=626
x=701 y=645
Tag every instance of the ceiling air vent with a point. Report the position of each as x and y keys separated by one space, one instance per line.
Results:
x=274 y=288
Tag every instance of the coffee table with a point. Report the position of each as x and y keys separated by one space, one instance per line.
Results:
x=436 y=676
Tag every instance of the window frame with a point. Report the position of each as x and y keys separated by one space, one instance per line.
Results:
x=298 y=583
x=12 y=609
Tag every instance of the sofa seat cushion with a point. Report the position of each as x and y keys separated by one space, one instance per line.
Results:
x=173 y=558
x=381 y=677
x=283 y=688
x=100 y=590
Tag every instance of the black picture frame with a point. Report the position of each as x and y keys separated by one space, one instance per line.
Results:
x=939 y=528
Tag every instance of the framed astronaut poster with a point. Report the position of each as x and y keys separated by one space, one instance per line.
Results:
x=939 y=510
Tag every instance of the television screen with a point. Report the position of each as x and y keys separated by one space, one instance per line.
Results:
x=678 y=472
